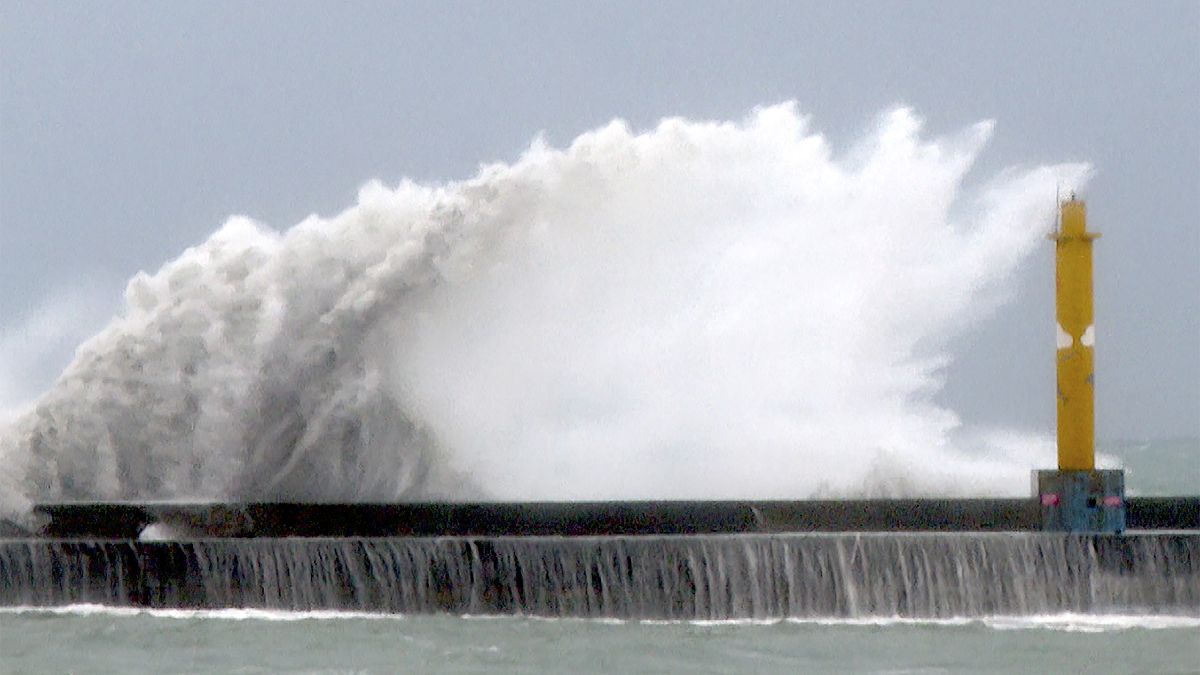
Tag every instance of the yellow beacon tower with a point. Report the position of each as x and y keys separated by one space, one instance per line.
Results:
x=1075 y=339
x=1077 y=497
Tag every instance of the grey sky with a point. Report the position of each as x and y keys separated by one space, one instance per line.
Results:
x=129 y=131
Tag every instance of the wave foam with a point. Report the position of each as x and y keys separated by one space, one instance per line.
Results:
x=703 y=309
x=1067 y=622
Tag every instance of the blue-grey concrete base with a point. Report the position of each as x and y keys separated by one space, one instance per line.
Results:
x=1081 y=501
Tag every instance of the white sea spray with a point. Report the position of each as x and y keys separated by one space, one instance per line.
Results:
x=704 y=309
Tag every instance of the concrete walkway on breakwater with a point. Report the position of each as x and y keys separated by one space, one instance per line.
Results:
x=127 y=520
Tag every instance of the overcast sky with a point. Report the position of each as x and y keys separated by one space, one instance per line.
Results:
x=129 y=131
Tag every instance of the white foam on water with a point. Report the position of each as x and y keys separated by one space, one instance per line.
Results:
x=1069 y=622
x=1098 y=623
x=699 y=310
x=711 y=622
x=229 y=614
x=1066 y=622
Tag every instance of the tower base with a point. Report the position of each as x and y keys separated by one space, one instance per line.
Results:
x=1081 y=501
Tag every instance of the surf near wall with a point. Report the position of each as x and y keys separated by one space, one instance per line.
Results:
x=704 y=309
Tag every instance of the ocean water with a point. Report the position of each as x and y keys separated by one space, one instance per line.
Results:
x=92 y=639
x=1161 y=467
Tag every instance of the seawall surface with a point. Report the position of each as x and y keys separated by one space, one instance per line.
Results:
x=127 y=520
x=756 y=576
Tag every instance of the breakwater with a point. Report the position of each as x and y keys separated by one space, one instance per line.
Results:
x=127 y=520
x=652 y=577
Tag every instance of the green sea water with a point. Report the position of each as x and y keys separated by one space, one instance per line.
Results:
x=1168 y=467
x=95 y=640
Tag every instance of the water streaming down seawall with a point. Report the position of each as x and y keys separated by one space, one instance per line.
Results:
x=923 y=575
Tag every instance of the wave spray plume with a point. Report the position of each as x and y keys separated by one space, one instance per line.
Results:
x=702 y=310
